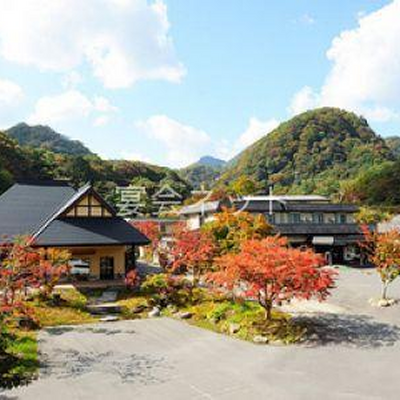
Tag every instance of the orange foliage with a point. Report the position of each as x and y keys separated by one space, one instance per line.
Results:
x=272 y=272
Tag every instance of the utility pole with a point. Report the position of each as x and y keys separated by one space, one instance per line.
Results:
x=270 y=200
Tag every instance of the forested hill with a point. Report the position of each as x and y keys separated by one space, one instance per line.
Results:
x=26 y=162
x=46 y=138
x=204 y=172
x=313 y=152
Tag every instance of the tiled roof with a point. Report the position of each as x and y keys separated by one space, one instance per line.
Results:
x=318 y=229
x=90 y=231
x=204 y=207
x=34 y=209
x=25 y=207
x=263 y=206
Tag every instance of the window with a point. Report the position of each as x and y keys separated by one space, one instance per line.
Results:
x=318 y=218
x=340 y=218
x=295 y=218
x=270 y=218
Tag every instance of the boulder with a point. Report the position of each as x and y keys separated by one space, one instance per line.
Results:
x=382 y=302
x=185 y=315
x=260 y=339
x=234 y=328
x=155 y=312
x=109 y=318
x=139 y=309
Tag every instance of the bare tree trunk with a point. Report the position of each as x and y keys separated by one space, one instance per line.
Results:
x=384 y=291
x=268 y=310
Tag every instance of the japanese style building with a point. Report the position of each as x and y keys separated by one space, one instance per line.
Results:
x=54 y=214
x=330 y=228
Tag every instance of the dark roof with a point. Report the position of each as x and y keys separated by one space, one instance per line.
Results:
x=35 y=209
x=25 y=207
x=264 y=206
x=203 y=207
x=318 y=229
x=90 y=231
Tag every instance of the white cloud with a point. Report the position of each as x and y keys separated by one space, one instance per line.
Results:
x=10 y=93
x=101 y=120
x=135 y=157
x=69 y=106
x=305 y=99
x=71 y=80
x=184 y=144
x=307 y=19
x=256 y=130
x=365 y=73
x=123 y=41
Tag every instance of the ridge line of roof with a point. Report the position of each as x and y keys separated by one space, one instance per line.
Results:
x=61 y=209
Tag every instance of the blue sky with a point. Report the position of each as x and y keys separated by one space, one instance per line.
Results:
x=169 y=81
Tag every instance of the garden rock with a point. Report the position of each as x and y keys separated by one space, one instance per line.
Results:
x=382 y=302
x=234 y=328
x=109 y=318
x=138 y=309
x=185 y=315
x=155 y=312
x=260 y=339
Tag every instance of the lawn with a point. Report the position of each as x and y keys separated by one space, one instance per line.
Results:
x=21 y=364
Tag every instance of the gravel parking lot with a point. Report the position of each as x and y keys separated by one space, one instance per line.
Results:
x=354 y=356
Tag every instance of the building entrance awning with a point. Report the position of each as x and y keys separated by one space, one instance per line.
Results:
x=323 y=240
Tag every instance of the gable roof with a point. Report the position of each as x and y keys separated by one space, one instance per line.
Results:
x=90 y=232
x=26 y=207
x=37 y=209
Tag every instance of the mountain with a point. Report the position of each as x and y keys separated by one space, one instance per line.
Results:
x=204 y=172
x=314 y=152
x=19 y=163
x=211 y=162
x=46 y=138
x=393 y=142
x=28 y=162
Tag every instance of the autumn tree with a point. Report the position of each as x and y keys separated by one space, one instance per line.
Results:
x=152 y=230
x=23 y=267
x=243 y=186
x=230 y=228
x=192 y=251
x=383 y=250
x=272 y=272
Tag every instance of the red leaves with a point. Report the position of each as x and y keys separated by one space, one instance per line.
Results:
x=272 y=272
x=23 y=267
x=383 y=250
x=132 y=279
x=151 y=229
x=192 y=251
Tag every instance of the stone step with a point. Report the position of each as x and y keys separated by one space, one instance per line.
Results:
x=105 y=308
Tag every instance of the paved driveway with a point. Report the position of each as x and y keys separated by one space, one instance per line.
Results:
x=356 y=357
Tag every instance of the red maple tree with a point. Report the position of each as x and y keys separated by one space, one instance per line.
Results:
x=272 y=272
x=23 y=267
x=383 y=250
x=192 y=251
x=152 y=230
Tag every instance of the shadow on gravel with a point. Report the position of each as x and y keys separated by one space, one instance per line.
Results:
x=139 y=368
x=353 y=330
x=59 y=330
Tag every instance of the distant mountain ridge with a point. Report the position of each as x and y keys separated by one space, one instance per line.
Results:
x=203 y=173
x=211 y=161
x=44 y=137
